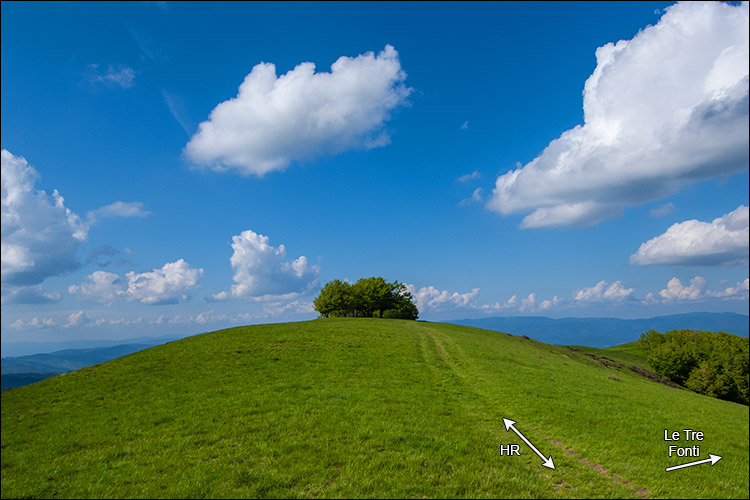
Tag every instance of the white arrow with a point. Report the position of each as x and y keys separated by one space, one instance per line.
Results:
x=547 y=461
x=713 y=460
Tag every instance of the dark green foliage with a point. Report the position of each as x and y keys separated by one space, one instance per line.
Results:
x=366 y=298
x=404 y=309
x=710 y=363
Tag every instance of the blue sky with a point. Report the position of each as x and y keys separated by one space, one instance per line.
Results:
x=183 y=167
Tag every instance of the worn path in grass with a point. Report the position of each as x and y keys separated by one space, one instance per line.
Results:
x=605 y=403
x=559 y=483
x=353 y=408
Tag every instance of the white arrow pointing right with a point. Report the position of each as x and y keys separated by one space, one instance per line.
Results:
x=713 y=460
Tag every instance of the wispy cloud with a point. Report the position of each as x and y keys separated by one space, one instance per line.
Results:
x=117 y=209
x=476 y=197
x=33 y=294
x=121 y=75
x=177 y=109
x=468 y=177
x=663 y=210
x=163 y=6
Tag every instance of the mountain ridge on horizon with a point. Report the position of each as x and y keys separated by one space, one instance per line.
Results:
x=604 y=331
x=26 y=348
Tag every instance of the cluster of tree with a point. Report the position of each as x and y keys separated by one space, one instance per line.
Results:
x=710 y=363
x=366 y=298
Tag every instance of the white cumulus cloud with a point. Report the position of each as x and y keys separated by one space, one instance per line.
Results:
x=677 y=291
x=40 y=236
x=100 y=286
x=79 y=318
x=662 y=110
x=167 y=285
x=430 y=298
x=261 y=271
x=725 y=240
x=163 y=286
x=528 y=303
x=302 y=114
x=738 y=291
x=549 y=304
x=696 y=291
x=603 y=291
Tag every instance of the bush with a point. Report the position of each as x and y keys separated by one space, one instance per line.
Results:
x=366 y=298
x=710 y=363
x=404 y=309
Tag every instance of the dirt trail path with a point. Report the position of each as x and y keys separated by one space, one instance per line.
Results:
x=558 y=482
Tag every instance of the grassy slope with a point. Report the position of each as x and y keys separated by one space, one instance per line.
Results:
x=357 y=407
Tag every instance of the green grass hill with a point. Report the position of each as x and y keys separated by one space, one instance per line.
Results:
x=365 y=408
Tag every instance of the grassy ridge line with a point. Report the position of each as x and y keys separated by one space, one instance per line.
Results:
x=357 y=408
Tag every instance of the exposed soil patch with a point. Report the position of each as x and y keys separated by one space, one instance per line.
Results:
x=653 y=376
x=440 y=348
x=563 y=484
x=609 y=363
x=562 y=445
x=616 y=478
x=598 y=467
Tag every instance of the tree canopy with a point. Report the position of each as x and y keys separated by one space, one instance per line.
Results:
x=710 y=363
x=366 y=298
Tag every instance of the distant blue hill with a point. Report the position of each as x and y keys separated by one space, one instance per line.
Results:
x=22 y=370
x=28 y=362
x=607 y=332
x=11 y=380
x=15 y=349
x=65 y=360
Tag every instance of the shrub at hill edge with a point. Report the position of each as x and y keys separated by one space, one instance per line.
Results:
x=710 y=363
x=364 y=298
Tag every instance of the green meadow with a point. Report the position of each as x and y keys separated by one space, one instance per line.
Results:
x=351 y=408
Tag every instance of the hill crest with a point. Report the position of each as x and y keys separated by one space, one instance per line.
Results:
x=360 y=408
